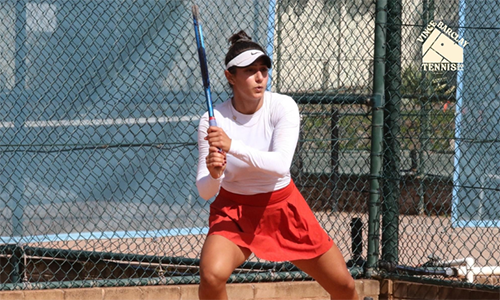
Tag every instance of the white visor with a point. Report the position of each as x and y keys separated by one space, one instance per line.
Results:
x=246 y=58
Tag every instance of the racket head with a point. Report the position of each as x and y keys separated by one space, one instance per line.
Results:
x=203 y=60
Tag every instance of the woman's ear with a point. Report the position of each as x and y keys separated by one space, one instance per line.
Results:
x=229 y=77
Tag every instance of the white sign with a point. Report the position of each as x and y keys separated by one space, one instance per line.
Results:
x=442 y=48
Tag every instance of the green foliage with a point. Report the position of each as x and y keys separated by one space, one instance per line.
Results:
x=418 y=83
x=317 y=131
x=441 y=130
x=355 y=130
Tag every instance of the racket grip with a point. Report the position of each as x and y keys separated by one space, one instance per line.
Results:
x=212 y=122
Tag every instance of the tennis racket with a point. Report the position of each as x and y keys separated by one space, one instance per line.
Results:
x=203 y=64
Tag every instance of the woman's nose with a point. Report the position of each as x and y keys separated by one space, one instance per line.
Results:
x=259 y=76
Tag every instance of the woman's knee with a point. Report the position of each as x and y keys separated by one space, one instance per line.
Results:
x=345 y=288
x=348 y=284
x=219 y=258
x=213 y=276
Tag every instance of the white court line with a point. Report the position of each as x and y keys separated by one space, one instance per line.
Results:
x=6 y=124
x=108 y=122
x=107 y=235
x=102 y=122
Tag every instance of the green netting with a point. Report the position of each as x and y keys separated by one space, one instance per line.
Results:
x=100 y=107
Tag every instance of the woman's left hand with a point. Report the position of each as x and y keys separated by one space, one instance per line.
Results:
x=216 y=137
x=216 y=162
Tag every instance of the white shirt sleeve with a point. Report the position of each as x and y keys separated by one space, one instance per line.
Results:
x=285 y=135
x=206 y=184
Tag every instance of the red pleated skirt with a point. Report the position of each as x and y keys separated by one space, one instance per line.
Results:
x=275 y=226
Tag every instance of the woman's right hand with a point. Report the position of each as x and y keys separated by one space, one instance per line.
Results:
x=216 y=162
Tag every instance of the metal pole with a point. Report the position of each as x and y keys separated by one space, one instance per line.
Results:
x=392 y=151
x=356 y=244
x=334 y=158
x=16 y=264
x=277 y=62
x=377 y=137
x=271 y=24
x=16 y=198
x=424 y=98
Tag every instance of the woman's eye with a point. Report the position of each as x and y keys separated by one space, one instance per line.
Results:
x=253 y=70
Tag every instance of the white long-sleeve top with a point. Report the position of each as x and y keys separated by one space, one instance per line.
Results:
x=262 y=147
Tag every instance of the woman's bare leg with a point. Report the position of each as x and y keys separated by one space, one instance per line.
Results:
x=330 y=271
x=219 y=258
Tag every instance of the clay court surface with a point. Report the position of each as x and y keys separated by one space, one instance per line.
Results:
x=419 y=237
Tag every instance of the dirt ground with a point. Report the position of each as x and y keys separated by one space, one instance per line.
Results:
x=419 y=237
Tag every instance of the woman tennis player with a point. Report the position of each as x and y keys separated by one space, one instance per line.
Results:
x=246 y=161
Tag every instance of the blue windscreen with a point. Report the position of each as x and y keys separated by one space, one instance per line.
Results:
x=99 y=115
x=476 y=195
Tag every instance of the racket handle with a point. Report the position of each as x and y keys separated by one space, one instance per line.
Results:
x=212 y=122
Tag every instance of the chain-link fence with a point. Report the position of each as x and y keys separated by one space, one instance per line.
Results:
x=101 y=101
x=440 y=206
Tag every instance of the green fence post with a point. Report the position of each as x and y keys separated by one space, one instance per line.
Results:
x=391 y=188
x=377 y=136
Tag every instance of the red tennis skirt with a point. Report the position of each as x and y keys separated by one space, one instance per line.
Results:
x=275 y=226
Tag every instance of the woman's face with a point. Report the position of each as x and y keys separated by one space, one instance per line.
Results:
x=249 y=82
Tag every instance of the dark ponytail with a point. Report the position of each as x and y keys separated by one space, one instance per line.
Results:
x=240 y=36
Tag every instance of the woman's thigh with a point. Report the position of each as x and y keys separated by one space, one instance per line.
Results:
x=220 y=256
x=329 y=270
